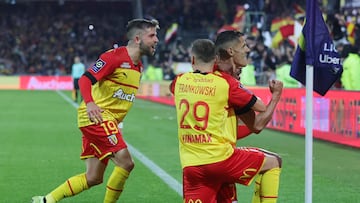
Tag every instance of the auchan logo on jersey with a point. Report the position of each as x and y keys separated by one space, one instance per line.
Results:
x=124 y=96
x=46 y=83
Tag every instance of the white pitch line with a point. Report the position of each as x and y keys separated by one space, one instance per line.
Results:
x=169 y=180
x=66 y=98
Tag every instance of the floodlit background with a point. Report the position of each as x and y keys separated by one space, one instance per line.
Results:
x=40 y=143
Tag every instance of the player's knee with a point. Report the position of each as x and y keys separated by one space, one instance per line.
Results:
x=93 y=180
x=127 y=164
x=124 y=160
x=130 y=165
x=279 y=160
x=275 y=161
x=271 y=162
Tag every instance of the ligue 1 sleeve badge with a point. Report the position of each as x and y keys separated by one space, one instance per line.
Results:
x=98 y=65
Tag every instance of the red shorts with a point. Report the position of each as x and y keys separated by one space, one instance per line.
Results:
x=101 y=141
x=227 y=193
x=203 y=183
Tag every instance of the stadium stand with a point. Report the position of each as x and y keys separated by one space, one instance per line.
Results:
x=41 y=37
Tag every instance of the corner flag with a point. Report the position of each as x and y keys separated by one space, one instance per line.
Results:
x=317 y=49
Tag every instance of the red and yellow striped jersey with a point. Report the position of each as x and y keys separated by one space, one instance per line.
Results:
x=203 y=104
x=118 y=81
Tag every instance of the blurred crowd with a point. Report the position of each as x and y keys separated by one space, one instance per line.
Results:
x=43 y=37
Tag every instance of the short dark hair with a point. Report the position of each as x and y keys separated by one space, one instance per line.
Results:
x=203 y=50
x=134 y=26
x=225 y=40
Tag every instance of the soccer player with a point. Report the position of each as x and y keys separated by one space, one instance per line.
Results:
x=203 y=100
x=77 y=69
x=108 y=89
x=231 y=50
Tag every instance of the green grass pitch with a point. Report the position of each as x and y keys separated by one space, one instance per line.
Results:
x=40 y=146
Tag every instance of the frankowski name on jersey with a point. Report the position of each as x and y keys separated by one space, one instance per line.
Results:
x=197 y=89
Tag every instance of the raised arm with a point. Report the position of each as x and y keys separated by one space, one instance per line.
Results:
x=256 y=122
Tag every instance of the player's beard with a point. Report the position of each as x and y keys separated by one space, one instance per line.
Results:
x=237 y=72
x=146 y=50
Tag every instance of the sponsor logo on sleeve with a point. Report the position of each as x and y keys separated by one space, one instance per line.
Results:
x=125 y=65
x=98 y=65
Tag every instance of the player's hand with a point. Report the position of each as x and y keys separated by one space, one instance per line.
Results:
x=94 y=113
x=276 y=87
